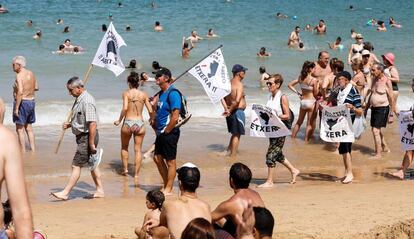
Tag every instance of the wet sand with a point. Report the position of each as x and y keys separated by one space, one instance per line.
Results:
x=317 y=206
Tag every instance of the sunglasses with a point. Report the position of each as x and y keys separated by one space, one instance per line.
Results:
x=270 y=83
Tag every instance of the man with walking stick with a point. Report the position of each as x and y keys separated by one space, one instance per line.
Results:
x=84 y=126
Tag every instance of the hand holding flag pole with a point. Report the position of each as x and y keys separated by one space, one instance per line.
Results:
x=107 y=56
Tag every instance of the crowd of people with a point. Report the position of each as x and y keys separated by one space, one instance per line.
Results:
x=322 y=83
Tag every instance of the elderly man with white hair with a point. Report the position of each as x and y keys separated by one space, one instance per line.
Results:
x=24 y=89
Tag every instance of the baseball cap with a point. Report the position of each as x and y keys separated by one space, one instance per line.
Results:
x=238 y=68
x=345 y=74
x=365 y=53
x=163 y=71
x=188 y=172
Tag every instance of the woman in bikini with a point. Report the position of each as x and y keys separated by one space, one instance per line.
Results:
x=356 y=48
x=133 y=122
x=309 y=88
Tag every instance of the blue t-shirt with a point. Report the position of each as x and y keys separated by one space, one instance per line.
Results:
x=164 y=108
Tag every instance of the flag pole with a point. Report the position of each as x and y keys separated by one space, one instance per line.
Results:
x=69 y=117
x=178 y=77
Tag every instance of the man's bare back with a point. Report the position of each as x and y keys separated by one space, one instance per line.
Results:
x=178 y=213
x=26 y=84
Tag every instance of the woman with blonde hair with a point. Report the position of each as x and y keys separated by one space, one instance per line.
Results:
x=134 y=101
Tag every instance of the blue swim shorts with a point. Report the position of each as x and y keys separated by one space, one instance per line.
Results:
x=26 y=113
x=236 y=122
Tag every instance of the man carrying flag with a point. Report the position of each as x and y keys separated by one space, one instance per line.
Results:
x=107 y=55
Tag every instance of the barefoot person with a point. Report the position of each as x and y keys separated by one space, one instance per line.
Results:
x=84 y=127
x=226 y=212
x=409 y=154
x=177 y=213
x=154 y=201
x=234 y=105
x=348 y=95
x=24 y=89
x=134 y=101
x=280 y=104
x=392 y=74
x=380 y=101
x=309 y=89
x=168 y=108
x=11 y=165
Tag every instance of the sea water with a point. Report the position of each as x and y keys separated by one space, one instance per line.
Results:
x=243 y=26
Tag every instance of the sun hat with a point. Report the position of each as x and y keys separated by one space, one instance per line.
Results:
x=389 y=57
x=365 y=53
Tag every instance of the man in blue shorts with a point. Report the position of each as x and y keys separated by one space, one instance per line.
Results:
x=24 y=89
x=234 y=105
x=168 y=109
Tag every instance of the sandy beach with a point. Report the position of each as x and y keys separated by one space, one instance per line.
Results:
x=373 y=206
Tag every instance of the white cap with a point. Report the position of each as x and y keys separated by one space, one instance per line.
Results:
x=189 y=165
x=365 y=52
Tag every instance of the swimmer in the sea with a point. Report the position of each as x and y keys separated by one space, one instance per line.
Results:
x=128 y=28
x=3 y=9
x=104 y=27
x=66 y=29
x=308 y=28
x=353 y=33
x=211 y=34
x=185 y=53
x=301 y=46
x=393 y=23
x=29 y=23
x=294 y=37
x=381 y=27
x=37 y=35
x=158 y=27
x=263 y=53
x=61 y=50
x=194 y=37
x=337 y=44
x=281 y=16
x=59 y=21
x=320 y=28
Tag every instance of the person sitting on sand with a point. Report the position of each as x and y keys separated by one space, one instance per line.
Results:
x=263 y=53
x=158 y=27
x=227 y=212
x=278 y=102
x=381 y=26
x=37 y=35
x=134 y=101
x=409 y=154
x=154 y=201
x=337 y=44
x=321 y=27
x=176 y=214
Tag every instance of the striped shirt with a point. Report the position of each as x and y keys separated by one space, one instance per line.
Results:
x=354 y=99
x=84 y=111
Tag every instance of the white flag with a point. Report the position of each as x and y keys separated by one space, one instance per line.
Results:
x=336 y=125
x=212 y=74
x=406 y=123
x=265 y=123
x=108 y=55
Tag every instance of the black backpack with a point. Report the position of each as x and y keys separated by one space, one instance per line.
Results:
x=289 y=121
x=184 y=114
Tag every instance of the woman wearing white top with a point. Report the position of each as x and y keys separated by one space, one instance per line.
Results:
x=280 y=104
